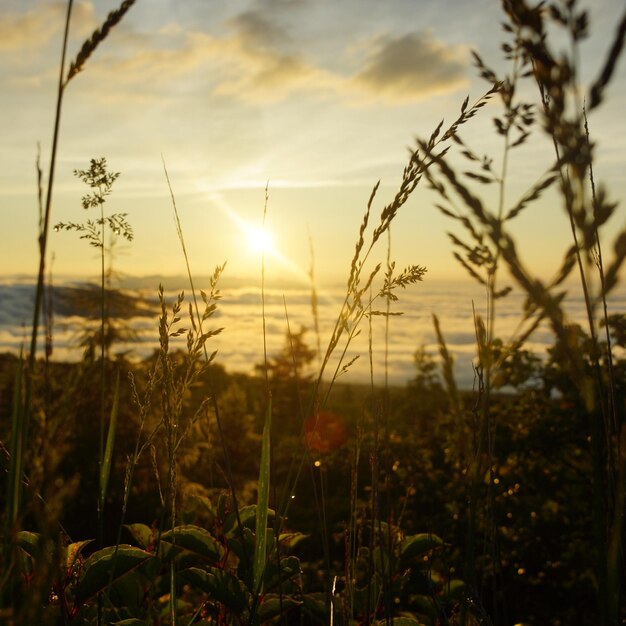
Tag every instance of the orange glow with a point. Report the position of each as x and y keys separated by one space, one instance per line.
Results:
x=325 y=432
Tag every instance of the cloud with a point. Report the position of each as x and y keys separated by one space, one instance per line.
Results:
x=144 y=65
x=255 y=29
x=256 y=59
x=412 y=67
x=266 y=66
x=34 y=29
x=251 y=63
x=270 y=75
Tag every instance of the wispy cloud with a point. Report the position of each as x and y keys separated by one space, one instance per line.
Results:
x=265 y=74
x=31 y=31
x=253 y=61
x=17 y=30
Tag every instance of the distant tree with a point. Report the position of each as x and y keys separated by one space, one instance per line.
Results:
x=289 y=377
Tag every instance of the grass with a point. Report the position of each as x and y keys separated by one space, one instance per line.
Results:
x=235 y=557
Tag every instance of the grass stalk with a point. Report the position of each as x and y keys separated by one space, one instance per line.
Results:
x=259 y=561
x=21 y=412
x=17 y=448
x=374 y=504
x=592 y=393
x=262 y=507
x=101 y=441
x=24 y=417
x=213 y=393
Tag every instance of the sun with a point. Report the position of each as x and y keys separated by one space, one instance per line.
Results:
x=260 y=240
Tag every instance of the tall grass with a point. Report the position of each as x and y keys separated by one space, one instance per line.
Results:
x=564 y=120
x=23 y=410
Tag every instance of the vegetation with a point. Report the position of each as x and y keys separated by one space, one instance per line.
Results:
x=289 y=497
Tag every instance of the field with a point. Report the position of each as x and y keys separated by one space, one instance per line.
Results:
x=170 y=489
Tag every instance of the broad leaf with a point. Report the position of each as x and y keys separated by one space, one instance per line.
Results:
x=72 y=552
x=107 y=565
x=220 y=585
x=30 y=543
x=142 y=534
x=244 y=553
x=271 y=606
x=289 y=568
x=314 y=605
x=418 y=545
x=247 y=517
x=194 y=539
x=291 y=540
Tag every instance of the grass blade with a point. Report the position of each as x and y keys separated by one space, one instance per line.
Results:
x=105 y=469
x=17 y=446
x=260 y=548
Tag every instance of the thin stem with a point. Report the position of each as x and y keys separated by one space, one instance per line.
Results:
x=213 y=390
x=43 y=242
x=600 y=266
x=100 y=508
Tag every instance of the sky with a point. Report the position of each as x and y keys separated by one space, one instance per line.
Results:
x=316 y=100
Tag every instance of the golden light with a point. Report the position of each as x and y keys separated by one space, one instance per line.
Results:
x=257 y=240
x=260 y=240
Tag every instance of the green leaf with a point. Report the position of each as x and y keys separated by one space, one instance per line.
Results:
x=72 y=552
x=246 y=513
x=289 y=569
x=142 y=534
x=108 y=564
x=314 y=605
x=33 y=547
x=247 y=517
x=418 y=545
x=30 y=543
x=291 y=540
x=194 y=539
x=455 y=589
x=244 y=553
x=19 y=428
x=129 y=593
x=271 y=606
x=105 y=469
x=220 y=585
x=133 y=621
x=263 y=489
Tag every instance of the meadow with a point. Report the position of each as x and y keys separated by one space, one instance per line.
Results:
x=169 y=489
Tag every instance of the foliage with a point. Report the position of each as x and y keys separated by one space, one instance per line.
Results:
x=424 y=505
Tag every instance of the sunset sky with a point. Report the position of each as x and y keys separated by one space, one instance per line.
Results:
x=318 y=99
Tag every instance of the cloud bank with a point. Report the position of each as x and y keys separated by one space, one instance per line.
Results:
x=254 y=56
